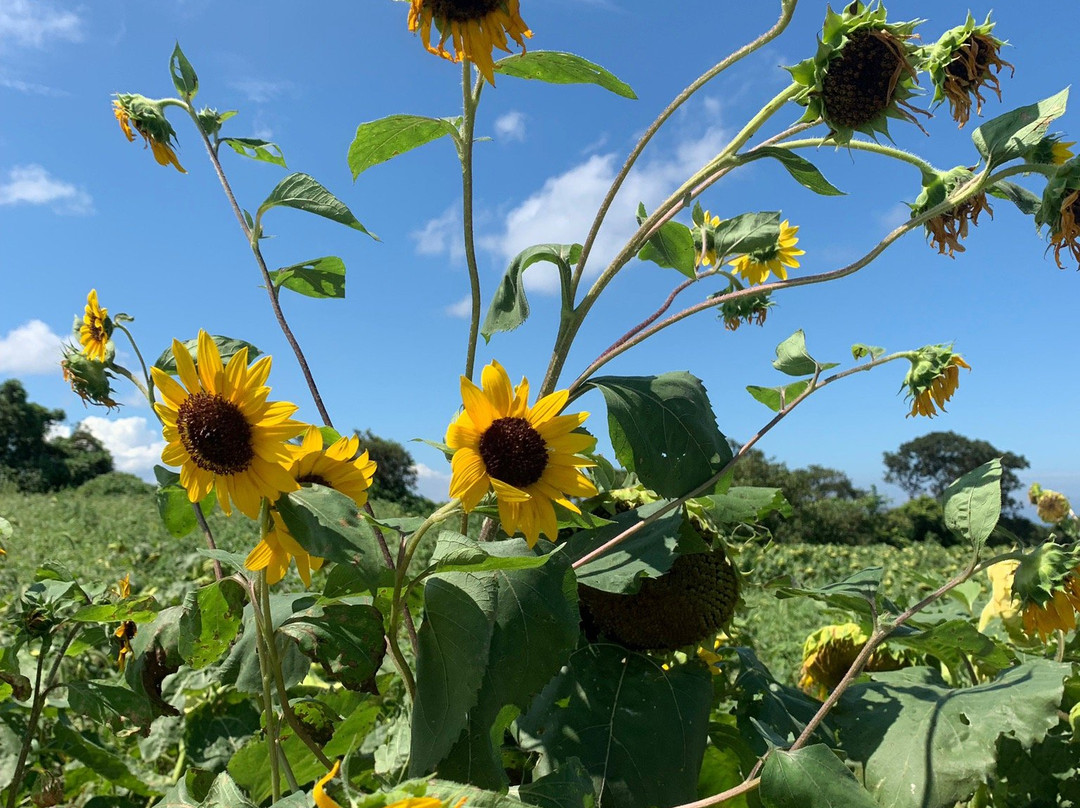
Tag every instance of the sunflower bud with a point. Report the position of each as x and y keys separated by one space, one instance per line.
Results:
x=138 y=114
x=89 y=379
x=960 y=66
x=1060 y=211
x=1034 y=493
x=1053 y=506
x=933 y=378
x=1050 y=151
x=947 y=229
x=749 y=309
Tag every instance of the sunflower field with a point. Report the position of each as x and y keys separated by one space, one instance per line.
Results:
x=570 y=627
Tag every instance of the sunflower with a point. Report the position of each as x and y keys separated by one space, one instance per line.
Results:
x=529 y=455
x=706 y=251
x=933 y=378
x=1047 y=585
x=1002 y=602
x=96 y=329
x=222 y=432
x=829 y=653
x=757 y=266
x=136 y=113
x=334 y=467
x=475 y=26
x=960 y=66
x=949 y=228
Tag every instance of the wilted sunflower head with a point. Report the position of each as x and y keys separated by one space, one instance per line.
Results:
x=1060 y=211
x=949 y=228
x=863 y=72
x=829 y=652
x=933 y=378
x=1053 y=506
x=749 y=309
x=473 y=27
x=962 y=63
x=89 y=379
x=1047 y=585
x=147 y=118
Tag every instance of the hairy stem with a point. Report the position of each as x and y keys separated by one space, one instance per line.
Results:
x=471 y=100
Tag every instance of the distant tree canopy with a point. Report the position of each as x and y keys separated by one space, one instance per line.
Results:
x=35 y=464
x=927 y=465
x=395 y=478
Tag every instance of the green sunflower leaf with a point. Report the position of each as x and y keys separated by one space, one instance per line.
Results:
x=802 y=170
x=792 y=358
x=141 y=609
x=811 y=777
x=227 y=347
x=663 y=429
x=256 y=149
x=1011 y=135
x=319 y=277
x=861 y=351
x=856 y=593
x=104 y=762
x=183 y=74
x=746 y=233
x=556 y=67
x=776 y=398
x=1025 y=200
x=304 y=192
x=381 y=140
x=671 y=247
x=345 y=638
x=509 y=307
x=973 y=503
x=173 y=504
x=209 y=621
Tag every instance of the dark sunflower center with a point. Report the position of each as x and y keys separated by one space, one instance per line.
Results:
x=513 y=452
x=860 y=81
x=215 y=434
x=315 y=479
x=972 y=60
x=462 y=10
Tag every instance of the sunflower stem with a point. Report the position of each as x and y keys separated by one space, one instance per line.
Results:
x=148 y=389
x=869 y=146
x=464 y=141
x=271 y=289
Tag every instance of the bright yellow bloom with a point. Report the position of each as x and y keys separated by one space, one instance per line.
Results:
x=1060 y=153
x=1002 y=601
x=757 y=266
x=475 y=27
x=96 y=329
x=336 y=467
x=1058 y=613
x=222 y=432
x=708 y=256
x=939 y=390
x=137 y=114
x=528 y=455
x=322 y=799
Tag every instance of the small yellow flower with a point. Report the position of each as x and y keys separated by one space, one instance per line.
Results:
x=528 y=455
x=707 y=256
x=96 y=329
x=757 y=266
x=336 y=467
x=222 y=432
x=933 y=378
x=125 y=633
x=138 y=114
x=474 y=27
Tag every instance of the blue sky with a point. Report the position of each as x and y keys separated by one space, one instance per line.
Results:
x=80 y=207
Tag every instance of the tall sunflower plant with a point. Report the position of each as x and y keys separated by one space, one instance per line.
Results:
x=565 y=627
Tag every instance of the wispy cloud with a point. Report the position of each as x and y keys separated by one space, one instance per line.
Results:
x=432 y=484
x=442 y=235
x=33 y=185
x=30 y=349
x=34 y=23
x=511 y=126
x=260 y=92
x=134 y=445
x=461 y=309
x=30 y=88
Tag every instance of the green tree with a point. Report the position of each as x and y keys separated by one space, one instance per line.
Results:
x=395 y=478
x=928 y=464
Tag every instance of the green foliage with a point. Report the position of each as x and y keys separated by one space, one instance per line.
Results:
x=801 y=170
x=561 y=68
x=319 y=277
x=378 y=141
x=1013 y=134
x=304 y=192
x=811 y=777
x=509 y=306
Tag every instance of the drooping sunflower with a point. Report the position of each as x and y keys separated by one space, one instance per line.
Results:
x=933 y=378
x=336 y=467
x=706 y=251
x=528 y=455
x=949 y=228
x=222 y=432
x=756 y=266
x=1002 y=603
x=1060 y=211
x=474 y=28
x=1047 y=585
x=960 y=65
x=829 y=652
x=138 y=113
x=96 y=329
x=862 y=74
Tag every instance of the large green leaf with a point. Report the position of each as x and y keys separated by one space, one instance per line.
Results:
x=455 y=635
x=973 y=503
x=746 y=233
x=793 y=359
x=671 y=246
x=639 y=730
x=926 y=745
x=535 y=629
x=743 y=505
x=139 y=609
x=567 y=787
x=102 y=761
x=345 y=638
x=1009 y=136
x=319 y=277
x=209 y=621
x=457 y=553
x=1027 y=202
x=811 y=777
x=241 y=666
x=663 y=429
x=102 y=703
x=304 y=192
x=327 y=524
x=257 y=149
x=802 y=170
x=509 y=307
x=555 y=67
x=955 y=643
x=174 y=507
x=647 y=554
x=379 y=141
x=217 y=729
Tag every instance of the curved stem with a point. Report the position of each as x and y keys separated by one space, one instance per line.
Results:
x=471 y=100
x=869 y=146
x=148 y=390
x=271 y=290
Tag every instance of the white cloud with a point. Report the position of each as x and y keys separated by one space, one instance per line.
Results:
x=30 y=88
x=32 y=23
x=260 y=92
x=432 y=484
x=134 y=446
x=33 y=185
x=442 y=235
x=563 y=209
x=511 y=126
x=31 y=348
x=461 y=309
